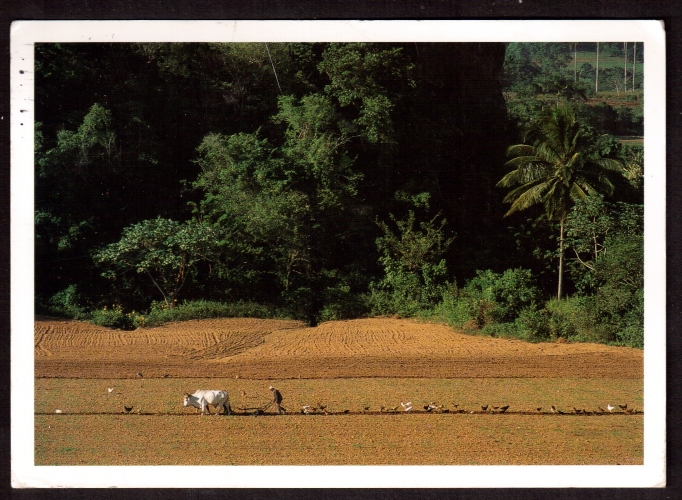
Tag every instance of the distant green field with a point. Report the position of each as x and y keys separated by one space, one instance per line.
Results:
x=604 y=61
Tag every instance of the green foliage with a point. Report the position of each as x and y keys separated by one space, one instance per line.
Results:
x=364 y=76
x=557 y=168
x=164 y=250
x=315 y=150
x=499 y=298
x=414 y=272
x=67 y=302
x=591 y=227
x=203 y=309
x=113 y=317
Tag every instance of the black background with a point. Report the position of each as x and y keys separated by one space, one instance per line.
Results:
x=669 y=11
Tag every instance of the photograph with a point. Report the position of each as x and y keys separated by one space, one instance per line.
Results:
x=320 y=246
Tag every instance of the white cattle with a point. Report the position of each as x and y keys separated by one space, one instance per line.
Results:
x=203 y=399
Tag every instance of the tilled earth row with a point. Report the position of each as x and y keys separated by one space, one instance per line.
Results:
x=587 y=365
x=267 y=349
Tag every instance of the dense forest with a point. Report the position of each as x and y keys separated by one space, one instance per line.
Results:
x=495 y=187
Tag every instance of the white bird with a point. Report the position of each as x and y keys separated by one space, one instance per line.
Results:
x=110 y=389
x=405 y=405
x=609 y=407
x=305 y=409
x=58 y=411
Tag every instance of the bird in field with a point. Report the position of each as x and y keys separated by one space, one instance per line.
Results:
x=560 y=412
x=609 y=407
x=553 y=409
x=110 y=389
x=575 y=410
x=407 y=406
x=504 y=408
x=305 y=409
x=321 y=406
x=139 y=375
x=58 y=410
x=600 y=409
x=166 y=375
x=128 y=409
x=365 y=408
x=539 y=408
x=623 y=407
x=346 y=411
x=428 y=407
x=455 y=405
x=496 y=407
x=243 y=393
x=484 y=408
x=139 y=411
x=394 y=409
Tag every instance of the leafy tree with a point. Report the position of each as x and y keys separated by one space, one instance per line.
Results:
x=414 y=270
x=557 y=169
x=367 y=77
x=590 y=226
x=166 y=251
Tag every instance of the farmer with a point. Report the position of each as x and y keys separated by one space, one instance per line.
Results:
x=277 y=400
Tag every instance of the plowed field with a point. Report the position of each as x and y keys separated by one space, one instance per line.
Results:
x=359 y=370
x=262 y=349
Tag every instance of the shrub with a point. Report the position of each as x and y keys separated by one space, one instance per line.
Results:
x=414 y=270
x=567 y=317
x=113 y=317
x=499 y=298
x=203 y=309
x=67 y=303
x=340 y=303
x=534 y=324
x=501 y=330
x=452 y=310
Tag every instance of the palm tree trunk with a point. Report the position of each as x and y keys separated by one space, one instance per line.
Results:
x=634 y=65
x=625 y=72
x=561 y=255
x=596 y=79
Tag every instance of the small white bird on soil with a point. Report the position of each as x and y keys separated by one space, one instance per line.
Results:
x=110 y=389
x=609 y=407
x=58 y=411
x=406 y=406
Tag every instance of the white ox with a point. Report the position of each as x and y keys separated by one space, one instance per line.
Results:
x=203 y=399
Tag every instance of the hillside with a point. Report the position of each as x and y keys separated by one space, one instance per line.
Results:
x=260 y=349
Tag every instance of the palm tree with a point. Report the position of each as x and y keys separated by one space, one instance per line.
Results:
x=556 y=170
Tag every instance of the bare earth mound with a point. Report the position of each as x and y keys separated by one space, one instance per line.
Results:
x=282 y=349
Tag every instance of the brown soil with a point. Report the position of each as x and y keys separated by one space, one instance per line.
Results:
x=347 y=366
x=337 y=440
x=282 y=349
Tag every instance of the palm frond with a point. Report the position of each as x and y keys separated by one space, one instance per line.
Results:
x=520 y=150
x=525 y=196
x=528 y=172
x=548 y=152
x=611 y=164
